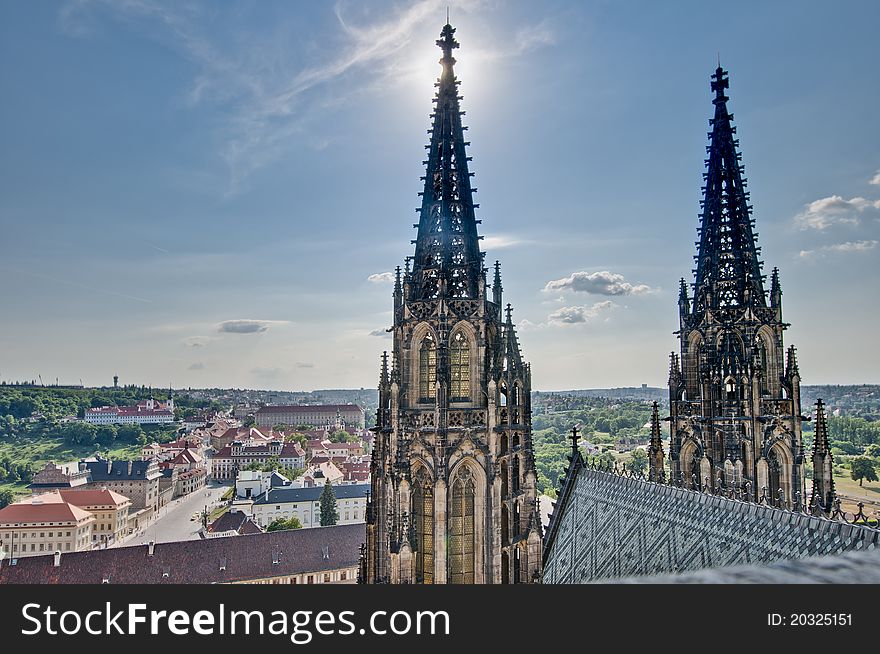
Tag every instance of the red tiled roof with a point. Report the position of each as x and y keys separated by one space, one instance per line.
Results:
x=93 y=497
x=57 y=511
x=212 y=560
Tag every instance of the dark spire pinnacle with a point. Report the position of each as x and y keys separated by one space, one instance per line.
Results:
x=496 y=284
x=656 y=471
x=383 y=376
x=397 y=287
x=508 y=311
x=656 y=435
x=574 y=442
x=775 y=289
x=447 y=260
x=791 y=367
x=821 y=444
x=728 y=270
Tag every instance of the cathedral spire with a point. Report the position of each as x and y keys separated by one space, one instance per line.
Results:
x=656 y=470
x=823 y=479
x=447 y=262
x=728 y=270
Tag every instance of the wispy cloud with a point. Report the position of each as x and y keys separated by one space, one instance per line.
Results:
x=381 y=333
x=850 y=247
x=198 y=365
x=579 y=314
x=597 y=283
x=381 y=278
x=266 y=98
x=875 y=180
x=833 y=210
x=501 y=241
x=304 y=364
x=247 y=326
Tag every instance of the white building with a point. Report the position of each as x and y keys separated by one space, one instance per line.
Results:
x=146 y=412
x=304 y=504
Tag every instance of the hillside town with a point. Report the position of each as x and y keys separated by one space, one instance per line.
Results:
x=276 y=464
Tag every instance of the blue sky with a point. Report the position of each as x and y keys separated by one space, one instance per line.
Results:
x=207 y=194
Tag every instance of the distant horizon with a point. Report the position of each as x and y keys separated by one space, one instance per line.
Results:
x=8 y=384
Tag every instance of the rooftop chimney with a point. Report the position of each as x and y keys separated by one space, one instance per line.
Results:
x=57 y=558
x=151 y=546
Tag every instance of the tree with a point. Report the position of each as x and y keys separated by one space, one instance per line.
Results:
x=329 y=512
x=873 y=450
x=280 y=524
x=6 y=497
x=861 y=469
x=639 y=461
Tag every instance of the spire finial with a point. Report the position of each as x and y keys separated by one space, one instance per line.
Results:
x=720 y=82
x=447 y=43
x=509 y=311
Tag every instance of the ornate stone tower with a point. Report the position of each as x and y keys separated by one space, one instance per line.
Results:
x=734 y=391
x=453 y=475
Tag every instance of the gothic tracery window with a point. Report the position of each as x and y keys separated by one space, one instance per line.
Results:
x=462 y=536
x=460 y=367
x=423 y=515
x=427 y=370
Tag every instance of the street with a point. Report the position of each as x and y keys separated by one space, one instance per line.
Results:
x=174 y=521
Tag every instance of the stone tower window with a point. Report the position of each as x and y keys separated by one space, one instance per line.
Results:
x=461 y=529
x=460 y=367
x=423 y=514
x=427 y=370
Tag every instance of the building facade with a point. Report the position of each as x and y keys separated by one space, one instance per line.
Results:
x=453 y=474
x=734 y=389
x=43 y=525
x=146 y=412
x=136 y=480
x=316 y=415
x=304 y=504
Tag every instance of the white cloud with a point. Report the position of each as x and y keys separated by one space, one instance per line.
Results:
x=381 y=333
x=579 y=314
x=198 y=365
x=875 y=180
x=598 y=283
x=840 y=248
x=197 y=341
x=499 y=242
x=246 y=326
x=833 y=210
x=381 y=278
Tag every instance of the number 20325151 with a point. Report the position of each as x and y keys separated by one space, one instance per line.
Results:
x=809 y=620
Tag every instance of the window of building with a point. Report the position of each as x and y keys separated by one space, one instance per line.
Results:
x=460 y=367
x=326 y=577
x=461 y=528
x=427 y=369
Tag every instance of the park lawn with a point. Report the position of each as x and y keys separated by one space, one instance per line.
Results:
x=37 y=452
x=869 y=491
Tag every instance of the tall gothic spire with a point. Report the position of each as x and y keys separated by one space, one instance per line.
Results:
x=823 y=463
x=447 y=260
x=728 y=272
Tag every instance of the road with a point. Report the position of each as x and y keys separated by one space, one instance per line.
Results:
x=174 y=521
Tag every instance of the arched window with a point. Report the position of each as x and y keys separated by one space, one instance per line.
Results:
x=515 y=474
x=427 y=370
x=764 y=361
x=423 y=516
x=504 y=479
x=462 y=537
x=502 y=391
x=460 y=367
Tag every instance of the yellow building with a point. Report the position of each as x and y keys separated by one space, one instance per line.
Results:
x=43 y=525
